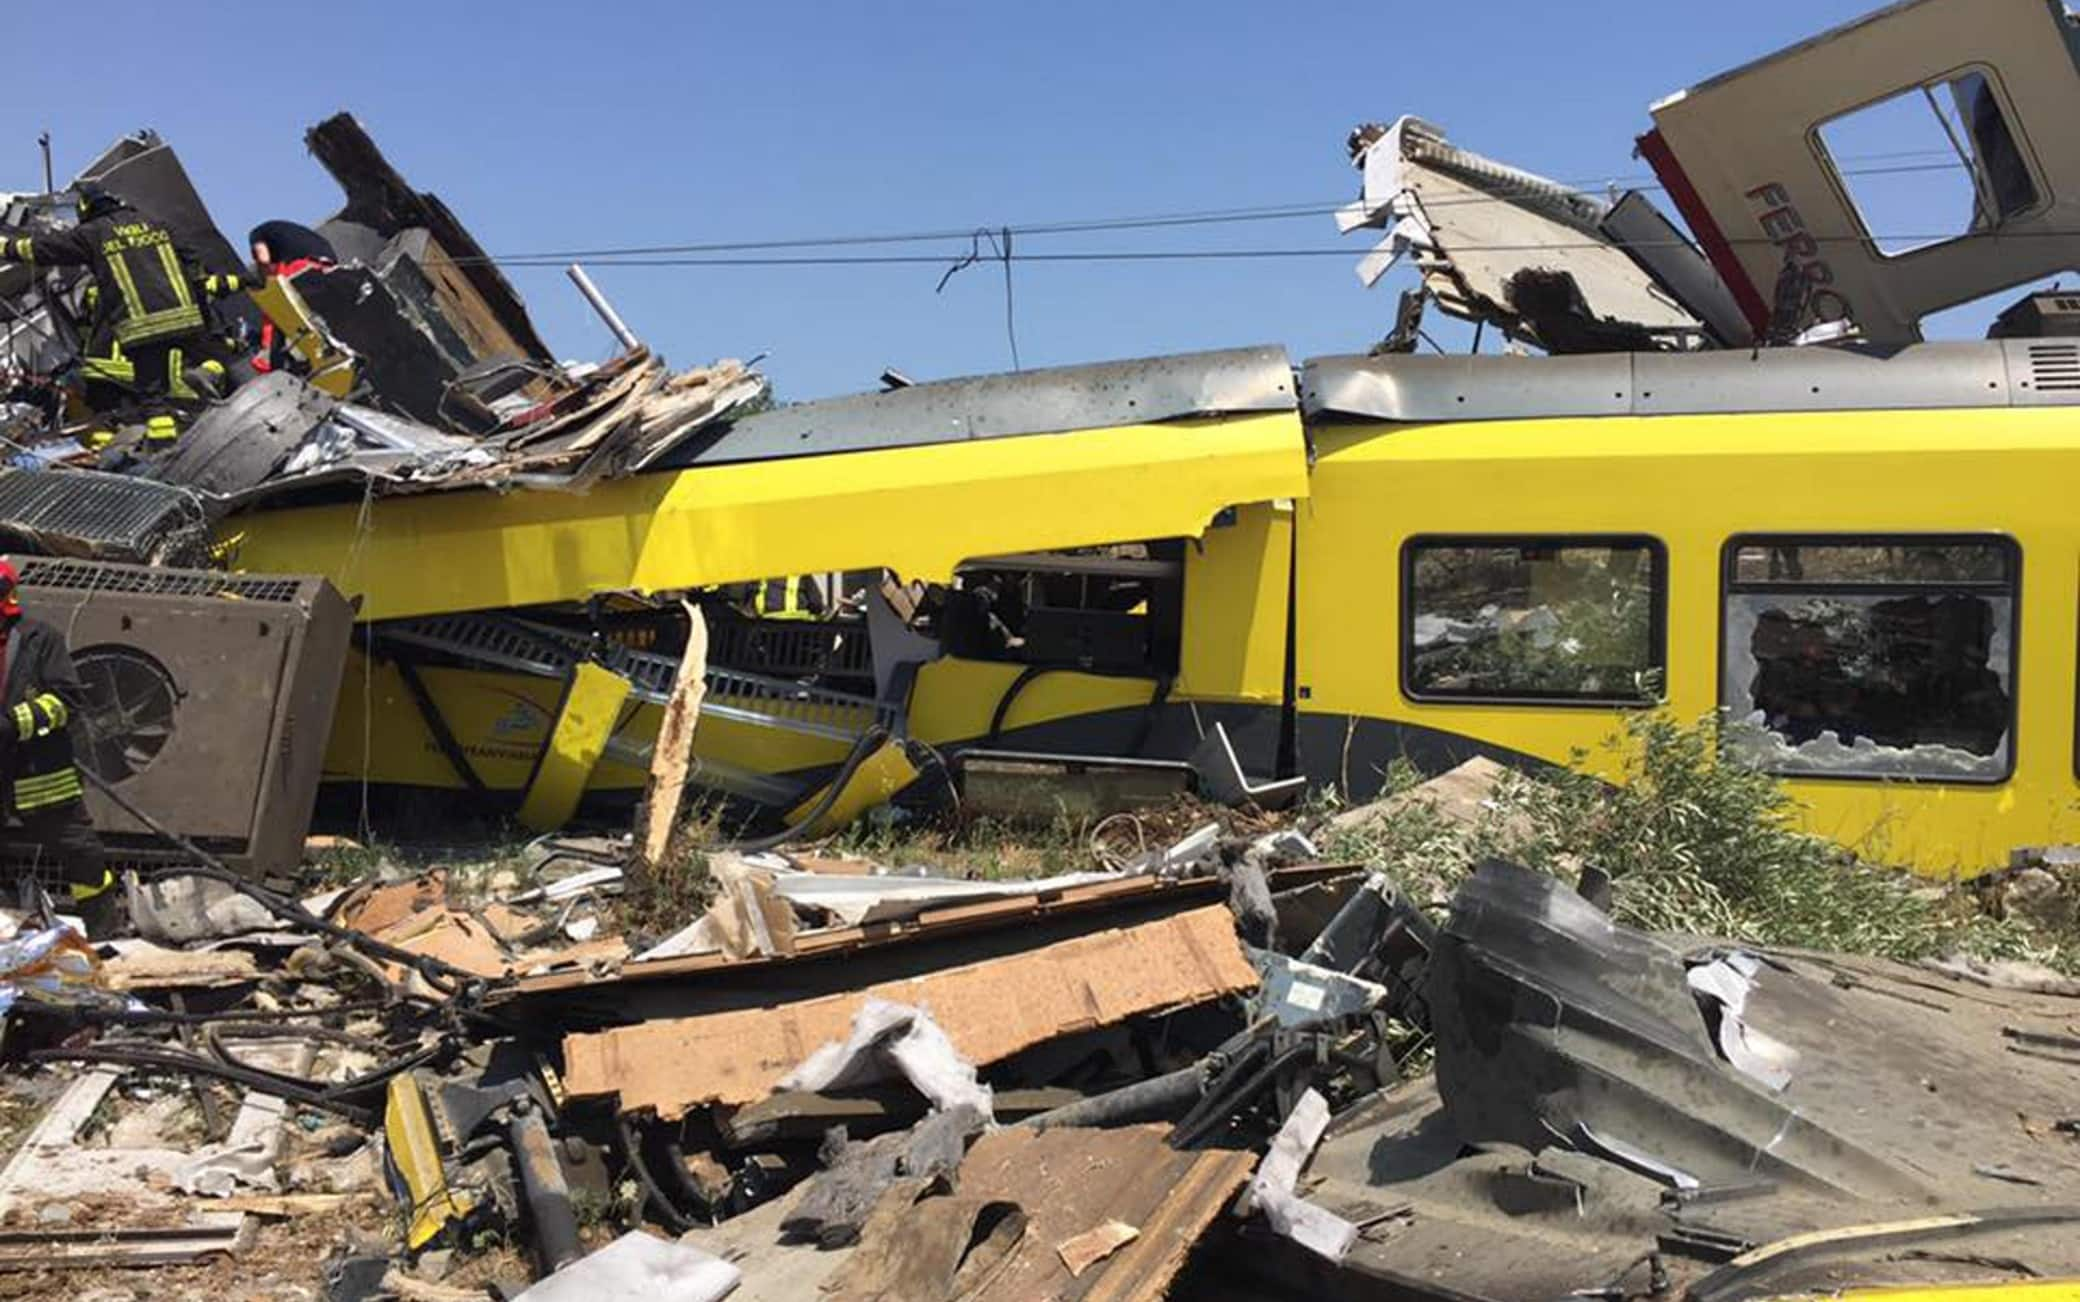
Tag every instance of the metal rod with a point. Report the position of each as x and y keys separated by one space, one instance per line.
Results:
x=43 y=142
x=615 y=324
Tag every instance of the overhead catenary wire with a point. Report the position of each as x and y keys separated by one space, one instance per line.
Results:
x=680 y=254
x=1245 y=254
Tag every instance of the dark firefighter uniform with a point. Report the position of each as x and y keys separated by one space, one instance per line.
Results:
x=40 y=778
x=149 y=325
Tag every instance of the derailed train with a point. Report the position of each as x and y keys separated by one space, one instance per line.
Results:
x=1287 y=575
x=1318 y=571
x=1397 y=561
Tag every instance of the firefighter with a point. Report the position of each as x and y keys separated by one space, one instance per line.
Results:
x=149 y=327
x=40 y=775
x=285 y=249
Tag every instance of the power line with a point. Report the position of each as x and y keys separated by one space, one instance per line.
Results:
x=627 y=255
x=1205 y=255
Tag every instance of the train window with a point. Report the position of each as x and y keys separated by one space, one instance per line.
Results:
x=1982 y=182
x=1557 y=619
x=1872 y=657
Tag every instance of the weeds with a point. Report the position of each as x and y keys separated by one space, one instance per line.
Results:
x=1698 y=843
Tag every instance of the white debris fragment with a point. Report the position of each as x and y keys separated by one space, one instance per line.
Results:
x=639 y=1267
x=853 y=901
x=1315 y=1228
x=1175 y=859
x=891 y=1040
x=1721 y=987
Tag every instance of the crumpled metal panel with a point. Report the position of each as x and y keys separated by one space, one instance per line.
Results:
x=1055 y=400
x=1836 y=378
x=239 y=442
x=1555 y=1026
x=105 y=517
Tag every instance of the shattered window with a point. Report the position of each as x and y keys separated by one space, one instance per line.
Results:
x=1532 y=619
x=1930 y=164
x=1880 y=657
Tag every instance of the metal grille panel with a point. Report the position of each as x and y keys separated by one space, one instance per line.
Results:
x=157 y=581
x=109 y=517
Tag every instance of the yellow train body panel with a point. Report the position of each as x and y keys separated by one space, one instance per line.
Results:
x=1694 y=483
x=919 y=511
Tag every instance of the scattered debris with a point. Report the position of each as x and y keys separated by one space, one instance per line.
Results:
x=1092 y=1246
x=989 y=1011
x=737 y=991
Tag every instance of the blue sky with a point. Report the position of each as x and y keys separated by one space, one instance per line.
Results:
x=554 y=127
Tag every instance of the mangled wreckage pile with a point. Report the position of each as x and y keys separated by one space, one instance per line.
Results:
x=1227 y=1068
x=378 y=559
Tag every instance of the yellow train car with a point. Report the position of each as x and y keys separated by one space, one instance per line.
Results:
x=1867 y=561
x=1864 y=558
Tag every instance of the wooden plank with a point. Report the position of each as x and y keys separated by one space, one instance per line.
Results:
x=929 y=926
x=671 y=758
x=989 y=1010
x=1072 y=1181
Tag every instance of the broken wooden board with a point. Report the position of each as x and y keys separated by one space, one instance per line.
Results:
x=210 y=1234
x=671 y=757
x=1125 y=1187
x=933 y=924
x=989 y=1010
x=141 y=965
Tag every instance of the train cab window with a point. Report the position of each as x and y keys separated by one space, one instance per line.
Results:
x=1533 y=620
x=1873 y=657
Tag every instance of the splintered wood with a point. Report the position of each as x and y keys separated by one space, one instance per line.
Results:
x=1125 y=1187
x=989 y=1010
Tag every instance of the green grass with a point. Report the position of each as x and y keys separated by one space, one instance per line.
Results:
x=1698 y=843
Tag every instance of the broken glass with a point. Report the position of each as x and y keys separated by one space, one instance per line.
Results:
x=1533 y=619
x=1887 y=658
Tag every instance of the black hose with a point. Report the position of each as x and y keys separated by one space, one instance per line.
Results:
x=298 y=1092
x=444 y=976
x=365 y=1083
x=869 y=742
x=1011 y=693
x=674 y=1219
x=1226 y=1103
x=1146 y=726
x=1148 y=1100
x=244 y=1016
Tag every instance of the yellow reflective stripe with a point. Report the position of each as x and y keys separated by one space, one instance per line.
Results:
x=48 y=789
x=174 y=320
x=83 y=893
x=56 y=777
x=116 y=369
x=176 y=375
x=24 y=248
x=53 y=708
x=41 y=802
x=120 y=268
x=175 y=276
x=160 y=429
x=24 y=721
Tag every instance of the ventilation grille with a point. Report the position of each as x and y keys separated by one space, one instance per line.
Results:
x=89 y=576
x=109 y=517
x=2055 y=368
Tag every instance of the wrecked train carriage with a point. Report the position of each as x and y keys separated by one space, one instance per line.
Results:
x=1490 y=555
x=1194 y=460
